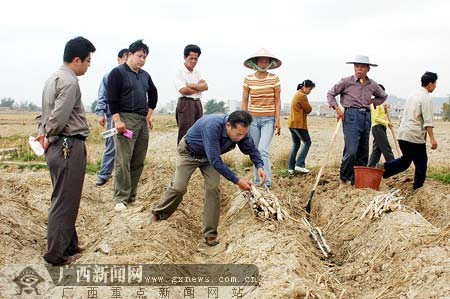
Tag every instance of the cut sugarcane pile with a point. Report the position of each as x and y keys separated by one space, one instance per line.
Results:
x=383 y=203
x=316 y=234
x=265 y=205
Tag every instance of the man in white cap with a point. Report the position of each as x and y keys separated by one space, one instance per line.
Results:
x=356 y=93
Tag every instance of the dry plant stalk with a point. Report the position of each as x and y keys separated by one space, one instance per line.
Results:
x=265 y=207
x=316 y=234
x=383 y=203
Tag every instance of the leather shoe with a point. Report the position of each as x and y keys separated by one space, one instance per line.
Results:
x=80 y=249
x=211 y=241
x=71 y=259
x=154 y=218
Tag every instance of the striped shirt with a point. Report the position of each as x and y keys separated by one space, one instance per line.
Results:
x=262 y=94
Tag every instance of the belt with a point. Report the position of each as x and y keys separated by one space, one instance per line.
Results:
x=189 y=98
x=78 y=136
x=192 y=153
x=142 y=113
x=362 y=109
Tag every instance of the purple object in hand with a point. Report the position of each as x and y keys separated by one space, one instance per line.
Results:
x=128 y=134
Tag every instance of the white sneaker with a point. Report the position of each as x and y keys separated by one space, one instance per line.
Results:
x=301 y=169
x=291 y=171
x=120 y=207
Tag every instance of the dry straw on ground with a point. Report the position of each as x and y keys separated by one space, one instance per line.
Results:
x=404 y=254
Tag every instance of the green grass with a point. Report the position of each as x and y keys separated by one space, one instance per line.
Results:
x=441 y=175
x=93 y=168
x=282 y=172
x=32 y=166
x=28 y=156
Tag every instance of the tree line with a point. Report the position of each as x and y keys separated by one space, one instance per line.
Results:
x=12 y=104
x=212 y=106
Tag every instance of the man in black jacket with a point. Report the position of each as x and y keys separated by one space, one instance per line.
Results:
x=132 y=97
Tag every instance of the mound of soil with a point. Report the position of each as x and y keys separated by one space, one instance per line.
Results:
x=402 y=255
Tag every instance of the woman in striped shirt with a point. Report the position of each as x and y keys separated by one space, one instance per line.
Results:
x=261 y=98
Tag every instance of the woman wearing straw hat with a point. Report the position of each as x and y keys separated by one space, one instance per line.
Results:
x=263 y=90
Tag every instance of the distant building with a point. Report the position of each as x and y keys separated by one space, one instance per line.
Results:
x=322 y=109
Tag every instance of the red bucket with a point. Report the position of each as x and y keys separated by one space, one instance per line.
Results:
x=368 y=177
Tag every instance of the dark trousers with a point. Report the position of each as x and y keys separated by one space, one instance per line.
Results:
x=380 y=146
x=299 y=136
x=67 y=177
x=356 y=127
x=187 y=113
x=412 y=152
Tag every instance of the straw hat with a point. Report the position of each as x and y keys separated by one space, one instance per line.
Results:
x=262 y=53
x=361 y=59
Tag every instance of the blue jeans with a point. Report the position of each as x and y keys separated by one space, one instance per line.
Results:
x=356 y=128
x=299 y=135
x=108 y=155
x=261 y=131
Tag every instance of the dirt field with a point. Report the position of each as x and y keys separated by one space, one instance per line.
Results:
x=405 y=254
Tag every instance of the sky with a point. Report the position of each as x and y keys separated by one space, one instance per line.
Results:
x=313 y=39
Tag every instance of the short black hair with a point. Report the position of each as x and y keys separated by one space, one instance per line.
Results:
x=77 y=47
x=192 y=48
x=306 y=83
x=138 y=46
x=428 y=78
x=122 y=52
x=240 y=117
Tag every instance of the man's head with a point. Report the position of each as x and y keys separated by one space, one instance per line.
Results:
x=361 y=70
x=237 y=125
x=429 y=81
x=191 y=55
x=361 y=65
x=137 y=54
x=122 y=56
x=77 y=55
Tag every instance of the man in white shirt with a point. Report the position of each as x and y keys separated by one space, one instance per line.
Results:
x=190 y=84
x=416 y=123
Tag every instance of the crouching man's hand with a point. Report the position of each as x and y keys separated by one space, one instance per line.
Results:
x=244 y=184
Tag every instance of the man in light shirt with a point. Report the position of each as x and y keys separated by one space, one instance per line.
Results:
x=416 y=124
x=190 y=84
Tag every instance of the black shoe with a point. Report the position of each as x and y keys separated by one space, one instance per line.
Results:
x=100 y=181
x=132 y=199
x=154 y=218
x=211 y=241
